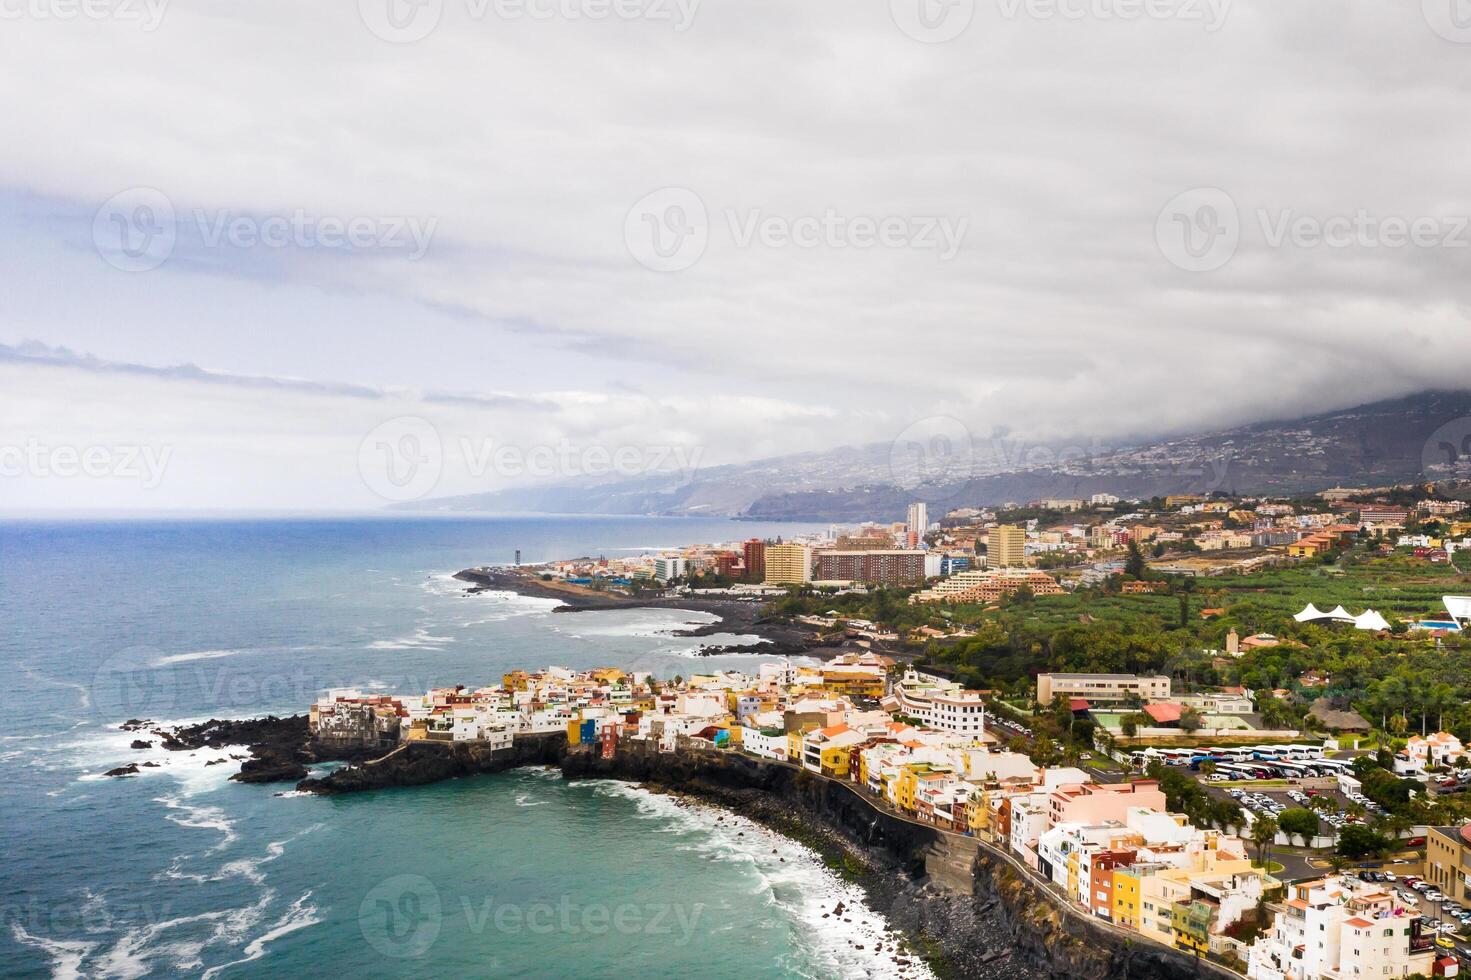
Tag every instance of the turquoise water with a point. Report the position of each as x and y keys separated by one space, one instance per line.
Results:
x=178 y=872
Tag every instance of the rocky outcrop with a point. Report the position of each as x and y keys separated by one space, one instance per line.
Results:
x=280 y=748
x=420 y=763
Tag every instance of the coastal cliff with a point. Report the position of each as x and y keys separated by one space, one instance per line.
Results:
x=971 y=911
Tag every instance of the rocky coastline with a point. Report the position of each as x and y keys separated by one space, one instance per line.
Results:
x=958 y=905
x=778 y=636
x=279 y=749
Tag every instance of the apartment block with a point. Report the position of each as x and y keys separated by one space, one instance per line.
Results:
x=1101 y=687
x=788 y=564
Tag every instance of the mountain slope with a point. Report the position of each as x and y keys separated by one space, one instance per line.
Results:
x=1424 y=436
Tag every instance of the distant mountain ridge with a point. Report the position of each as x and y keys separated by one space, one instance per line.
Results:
x=1420 y=437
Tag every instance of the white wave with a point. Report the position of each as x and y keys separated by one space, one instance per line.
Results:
x=299 y=916
x=524 y=799
x=201 y=817
x=67 y=955
x=793 y=878
x=421 y=640
x=104 y=749
x=84 y=692
x=129 y=957
x=181 y=658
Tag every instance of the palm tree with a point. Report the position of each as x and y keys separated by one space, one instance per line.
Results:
x=1262 y=834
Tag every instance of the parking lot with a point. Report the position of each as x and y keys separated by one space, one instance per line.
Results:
x=1272 y=802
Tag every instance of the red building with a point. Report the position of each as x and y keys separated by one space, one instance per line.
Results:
x=755 y=554
x=873 y=567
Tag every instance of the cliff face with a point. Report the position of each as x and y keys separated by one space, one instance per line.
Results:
x=421 y=763
x=982 y=917
x=970 y=910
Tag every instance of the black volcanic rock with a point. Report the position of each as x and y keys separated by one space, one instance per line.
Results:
x=139 y=743
x=131 y=769
x=280 y=748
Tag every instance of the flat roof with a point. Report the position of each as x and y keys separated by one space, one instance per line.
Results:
x=1100 y=677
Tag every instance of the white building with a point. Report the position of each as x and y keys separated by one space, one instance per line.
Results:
x=1341 y=928
x=941 y=704
x=668 y=567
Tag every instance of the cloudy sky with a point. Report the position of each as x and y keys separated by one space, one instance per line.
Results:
x=275 y=254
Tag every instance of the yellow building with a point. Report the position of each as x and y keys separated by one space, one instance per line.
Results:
x=788 y=564
x=846 y=680
x=835 y=760
x=1006 y=547
x=1126 y=908
x=908 y=785
x=1447 y=852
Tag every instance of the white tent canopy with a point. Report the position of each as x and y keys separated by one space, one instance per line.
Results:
x=1459 y=606
x=1371 y=620
x=1342 y=614
x=1309 y=614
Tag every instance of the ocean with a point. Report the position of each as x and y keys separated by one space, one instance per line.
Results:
x=179 y=872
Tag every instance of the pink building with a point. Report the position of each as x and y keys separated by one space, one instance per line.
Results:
x=1092 y=804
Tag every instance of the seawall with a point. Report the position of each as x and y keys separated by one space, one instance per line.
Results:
x=975 y=913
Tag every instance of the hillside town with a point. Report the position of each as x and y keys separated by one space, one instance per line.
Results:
x=1015 y=676
x=921 y=747
x=1043 y=548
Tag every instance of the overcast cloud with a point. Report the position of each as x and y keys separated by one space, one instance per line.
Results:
x=244 y=236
